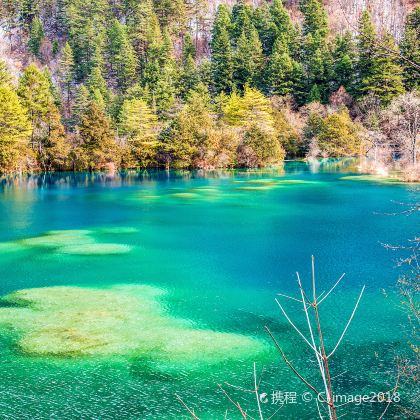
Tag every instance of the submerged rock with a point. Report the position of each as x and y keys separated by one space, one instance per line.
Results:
x=122 y=320
x=95 y=249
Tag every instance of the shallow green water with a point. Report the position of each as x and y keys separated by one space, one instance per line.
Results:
x=178 y=275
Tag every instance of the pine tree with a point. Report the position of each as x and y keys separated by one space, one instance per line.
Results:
x=410 y=49
x=189 y=77
x=266 y=28
x=5 y=77
x=36 y=93
x=344 y=55
x=15 y=131
x=138 y=126
x=80 y=104
x=97 y=141
x=241 y=20
x=96 y=82
x=248 y=60
x=36 y=37
x=379 y=73
x=282 y=21
x=66 y=72
x=122 y=56
x=171 y=13
x=143 y=28
x=315 y=20
x=280 y=70
x=221 y=57
x=137 y=120
x=55 y=150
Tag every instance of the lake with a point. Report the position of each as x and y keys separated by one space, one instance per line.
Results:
x=121 y=291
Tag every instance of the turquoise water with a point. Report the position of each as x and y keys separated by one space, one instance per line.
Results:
x=171 y=278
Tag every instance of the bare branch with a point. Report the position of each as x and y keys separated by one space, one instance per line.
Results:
x=348 y=323
x=191 y=411
x=332 y=288
x=294 y=326
x=292 y=367
x=236 y=404
x=256 y=393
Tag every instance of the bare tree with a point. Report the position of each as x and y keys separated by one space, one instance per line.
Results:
x=402 y=120
x=316 y=339
x=316 y=343
x=408 y=372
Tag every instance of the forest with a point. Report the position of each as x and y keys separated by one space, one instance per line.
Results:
x=128 y=84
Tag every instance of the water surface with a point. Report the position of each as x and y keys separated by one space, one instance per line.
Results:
x=214 y=249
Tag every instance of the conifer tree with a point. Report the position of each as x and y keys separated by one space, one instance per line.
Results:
x=282 y=21
x=143 y=29
x=241 y=20
x=66 y=72
x=315 y=20
x=5 y=77
x=96 y=82
x=221 y=57
x=122 y=56
x=36 y=93
x=265 y=26
x=55 y=149
x=189 y=77
x=80 y=104
x=379 y=73
x=344 y=55
x=36 y=36
x=410 y=49
x=248 y=59
x=280 y=70
x=97 y=141
x=15 y=130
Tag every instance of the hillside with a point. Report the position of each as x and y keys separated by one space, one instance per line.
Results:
x=201 y=84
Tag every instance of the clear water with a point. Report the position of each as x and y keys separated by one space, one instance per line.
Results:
x=219 y=247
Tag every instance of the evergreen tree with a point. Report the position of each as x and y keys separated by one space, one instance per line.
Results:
x=35 y=94
x=97 y=83
x=266 y=28
x=222 y=65
x=97 y=141
x=35 y=91
x=189 y=77
x=66 y=72
x=282 y=21
x=242 y=14
x=5 y=77
x=55 y=149
x=122 y=56
x=143 y=29
x=314 y=94
x=248 y=59
x=80 y=104
x=188 y=132
x=378 y=71
x=344 y=56
x=280 y=70
x=138 y=123
x=36 y=36
x=315 y=21
x=410 y=49
x=171 y=13
x=15 y=131
x=318 y=67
